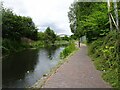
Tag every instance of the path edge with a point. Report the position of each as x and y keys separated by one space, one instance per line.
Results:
x=44 y=79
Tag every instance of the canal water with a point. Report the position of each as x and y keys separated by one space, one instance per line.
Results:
x=23 y=69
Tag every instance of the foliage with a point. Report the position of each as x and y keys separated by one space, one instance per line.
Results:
x=50 y=36
x=67 y=51
x=41 y=36
x=9 y=46
x=90 y=19
x=105 y=53
x=37 y=44
x=15 y=27
x=66 y=38
x=73 y=37
x=62 y=42
x=58 y=38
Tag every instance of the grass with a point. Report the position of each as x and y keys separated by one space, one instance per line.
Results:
x=68 y=50
x=9 y=46
x=61 y=42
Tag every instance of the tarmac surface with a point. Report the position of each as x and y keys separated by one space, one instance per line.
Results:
x=78 y=72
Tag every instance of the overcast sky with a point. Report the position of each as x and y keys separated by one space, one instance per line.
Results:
x=52 y=13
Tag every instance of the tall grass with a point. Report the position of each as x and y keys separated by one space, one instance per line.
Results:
x=105 y=53
x=9 y=46
x=68 y=50
x=37 y=44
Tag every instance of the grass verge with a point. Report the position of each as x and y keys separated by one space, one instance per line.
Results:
x=105 y=54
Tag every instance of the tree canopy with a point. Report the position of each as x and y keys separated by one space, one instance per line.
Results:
x=89 y=19
x=15 y=27
x=50 y=36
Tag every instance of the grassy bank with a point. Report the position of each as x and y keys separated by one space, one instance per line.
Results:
x=105 y=54
x=67 y=51
x=10 y=47
x=39 y=44
x=42 y=81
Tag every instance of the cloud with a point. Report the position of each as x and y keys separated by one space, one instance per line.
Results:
x=52 y=13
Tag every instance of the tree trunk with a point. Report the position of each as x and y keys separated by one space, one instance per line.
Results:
x=109 y=14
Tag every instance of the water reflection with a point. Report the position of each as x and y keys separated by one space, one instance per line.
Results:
x=25 y=68
x=51 y=50
x=15 y=67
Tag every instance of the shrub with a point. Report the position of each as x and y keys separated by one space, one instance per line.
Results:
x=105 y=53
x=9 y=46
x=37 y=44
x=67 y=51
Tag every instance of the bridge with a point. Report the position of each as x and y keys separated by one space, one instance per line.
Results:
x=62 y=35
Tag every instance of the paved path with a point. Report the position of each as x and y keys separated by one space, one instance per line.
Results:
x=78 y=72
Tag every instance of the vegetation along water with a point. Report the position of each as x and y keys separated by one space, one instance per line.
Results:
x=27 y=53
x=29 y=50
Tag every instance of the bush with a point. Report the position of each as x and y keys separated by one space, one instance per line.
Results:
x=9 y=46
x=105 y=53
x=67 y=51
x=94 y=47
x=37 y=44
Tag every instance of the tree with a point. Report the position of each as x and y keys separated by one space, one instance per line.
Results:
x=58 y=38
x=15 y=27
x=50 y=36
x=89 y=19
x=41 y=36
x=65 y=38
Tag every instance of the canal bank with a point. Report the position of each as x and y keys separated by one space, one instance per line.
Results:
x=79 y=72
x=23 y=69
x=46 y=76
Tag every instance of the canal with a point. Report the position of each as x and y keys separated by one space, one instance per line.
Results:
x=23 y=69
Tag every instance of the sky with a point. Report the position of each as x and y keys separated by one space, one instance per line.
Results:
x=52 y=13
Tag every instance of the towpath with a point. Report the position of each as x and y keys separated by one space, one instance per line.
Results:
x=78 y=72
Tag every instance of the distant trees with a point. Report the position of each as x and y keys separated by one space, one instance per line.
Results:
x=49 y=36
x=41 y=36
x=66 y=38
